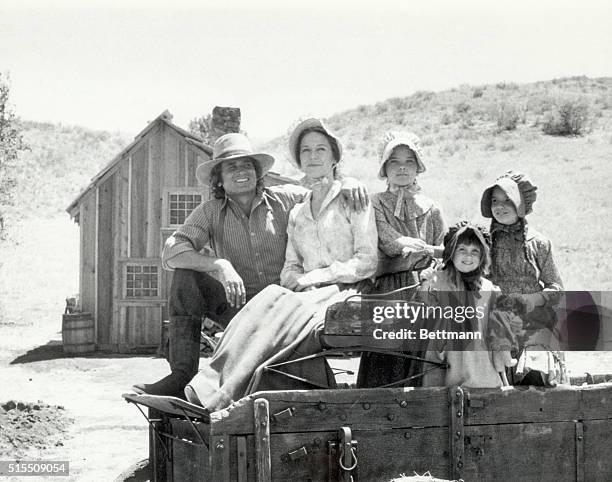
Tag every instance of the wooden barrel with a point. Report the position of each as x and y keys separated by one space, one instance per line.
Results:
x=78 y=333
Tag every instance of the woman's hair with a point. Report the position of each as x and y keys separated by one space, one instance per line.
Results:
x=330 y=139
x=216 y=181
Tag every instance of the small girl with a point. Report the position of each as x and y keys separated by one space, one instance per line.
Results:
x=461 y=283
x=522 y=263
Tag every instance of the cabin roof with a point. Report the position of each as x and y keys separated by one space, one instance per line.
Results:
x=166 y=118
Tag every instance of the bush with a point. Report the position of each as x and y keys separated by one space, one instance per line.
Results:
x=478 y=92
x=506 y=117
x=569 y=117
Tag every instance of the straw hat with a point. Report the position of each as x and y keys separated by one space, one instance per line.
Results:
x=230 y=147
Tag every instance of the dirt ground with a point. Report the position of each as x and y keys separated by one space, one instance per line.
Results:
x=96 y=430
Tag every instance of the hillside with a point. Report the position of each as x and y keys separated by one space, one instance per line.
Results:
x=60 y=162
x=470 y=135
x=465 y=150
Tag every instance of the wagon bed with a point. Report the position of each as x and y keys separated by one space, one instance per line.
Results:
x=543 y=434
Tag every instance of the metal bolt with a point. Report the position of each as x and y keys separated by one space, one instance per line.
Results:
x=264 y=422
x=366 y=406
x=403 y=404
x=343 y=417
x=220 y=445
x=460 y=464
x=406 y=434
x=458 y=393
x=391 y=416
x=457 y=434
x=459 y=413
x=580 y=438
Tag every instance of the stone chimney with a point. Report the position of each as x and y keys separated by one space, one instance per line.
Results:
x=224 y=120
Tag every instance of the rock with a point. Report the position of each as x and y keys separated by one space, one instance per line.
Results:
x=10 y=405
x=21 y=406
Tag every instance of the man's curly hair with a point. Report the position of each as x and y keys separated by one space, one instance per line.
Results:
x=216 y=181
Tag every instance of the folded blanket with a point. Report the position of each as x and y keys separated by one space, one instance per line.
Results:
x=276 y=325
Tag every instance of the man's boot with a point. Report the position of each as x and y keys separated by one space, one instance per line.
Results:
x=184 y=358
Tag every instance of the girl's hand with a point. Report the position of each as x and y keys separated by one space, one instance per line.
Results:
x=502 y=359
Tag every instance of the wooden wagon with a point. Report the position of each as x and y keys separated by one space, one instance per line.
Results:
x=533 y=434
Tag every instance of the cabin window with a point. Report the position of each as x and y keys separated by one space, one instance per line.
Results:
x=141 y=281
x=181 y=205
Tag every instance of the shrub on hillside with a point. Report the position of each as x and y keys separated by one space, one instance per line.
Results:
x=478 y=92
x=507 y=117
x=569 y=117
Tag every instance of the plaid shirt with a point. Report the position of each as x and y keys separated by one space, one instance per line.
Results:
x=255 y=244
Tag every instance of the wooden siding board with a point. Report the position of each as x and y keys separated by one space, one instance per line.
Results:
x=192 y=164
x=180 y=164
x=154 y=190
x=105 y=254
x=88 y=226
x=138 y=201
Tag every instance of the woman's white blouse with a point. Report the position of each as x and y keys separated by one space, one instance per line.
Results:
x=339 y=246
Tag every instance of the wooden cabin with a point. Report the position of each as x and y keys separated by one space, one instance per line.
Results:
x=125 y=215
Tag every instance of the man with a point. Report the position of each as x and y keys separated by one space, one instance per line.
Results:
x=245 y=226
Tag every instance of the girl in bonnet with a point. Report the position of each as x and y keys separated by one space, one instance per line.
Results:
x=410 y=225
x=461 y=283
x=522 y=263
x=410 y=230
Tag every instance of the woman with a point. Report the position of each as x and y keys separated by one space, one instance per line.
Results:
x=329 y=247
x=410 y=230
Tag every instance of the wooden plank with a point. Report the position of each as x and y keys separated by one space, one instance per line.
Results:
x=123 y=328
x=220 y=458
x=537 y=404
x=154 y=190
x=361 y=409
x=96 y=261
x=261 y=429
x=180 y=164
x=381 y=454
x=597 y=461
x=117 y=236
x=139 y=201
x=88 y=225
x=579 y=451
x=105 y=258
x=241 y=447
x=192 y=164
x=456 y=432
x=524 y=451
x=129 y=209
x=189 y=462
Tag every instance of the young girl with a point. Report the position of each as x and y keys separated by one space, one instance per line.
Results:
x=461 y=283
x=410 y=230
x=410 y=225
x=522 y=261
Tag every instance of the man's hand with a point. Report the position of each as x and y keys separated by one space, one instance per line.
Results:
x=355 y=194
x=232 y=283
